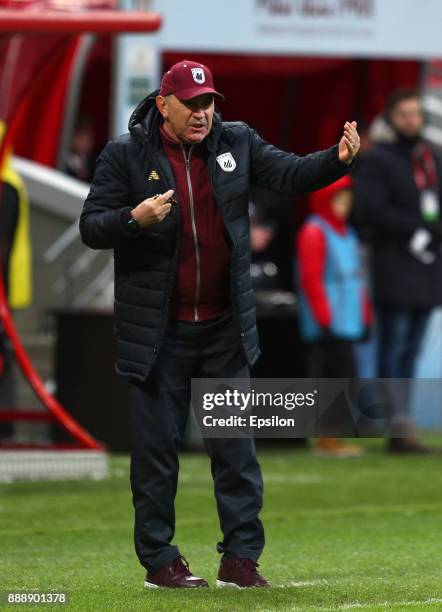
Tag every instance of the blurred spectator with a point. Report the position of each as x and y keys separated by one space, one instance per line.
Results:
x=334 y=308
x=271 y=237
x=365 y=351
x=15 y=270
x=398 y=191
x=80 y=160
x=357 y=219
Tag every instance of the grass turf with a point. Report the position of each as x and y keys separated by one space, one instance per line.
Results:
x=341 y=535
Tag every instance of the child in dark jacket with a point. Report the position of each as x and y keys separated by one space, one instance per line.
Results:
x=334 y=309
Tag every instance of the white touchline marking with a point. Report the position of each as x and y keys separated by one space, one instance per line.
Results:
x=385 y=604
x=373 y=604
x=303 y=583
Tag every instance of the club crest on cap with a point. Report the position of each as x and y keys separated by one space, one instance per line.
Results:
x=198 y=75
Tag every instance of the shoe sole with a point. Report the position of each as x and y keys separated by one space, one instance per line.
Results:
x=231 y=585
x=150 y=585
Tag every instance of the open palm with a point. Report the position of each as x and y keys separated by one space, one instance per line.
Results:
x=349 y=143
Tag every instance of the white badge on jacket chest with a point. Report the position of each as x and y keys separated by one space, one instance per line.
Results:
x=226 y=161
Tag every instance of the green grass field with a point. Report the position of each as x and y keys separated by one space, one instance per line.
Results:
x=341 y=535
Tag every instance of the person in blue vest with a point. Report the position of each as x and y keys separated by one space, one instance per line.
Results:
x=334 y=309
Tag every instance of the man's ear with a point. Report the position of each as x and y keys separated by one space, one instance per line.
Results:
x=161 y=105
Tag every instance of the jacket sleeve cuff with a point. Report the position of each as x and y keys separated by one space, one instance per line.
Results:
x=343 y=167
x=125 y=217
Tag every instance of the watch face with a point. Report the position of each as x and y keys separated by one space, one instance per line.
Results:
x=132 y=225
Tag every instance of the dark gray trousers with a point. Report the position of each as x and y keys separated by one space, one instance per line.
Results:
x=158 y=412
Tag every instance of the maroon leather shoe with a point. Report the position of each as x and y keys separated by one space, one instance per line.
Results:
x=175 y=576
x=240 y=573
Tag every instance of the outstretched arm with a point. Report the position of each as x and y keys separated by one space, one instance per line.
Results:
x=289 y=173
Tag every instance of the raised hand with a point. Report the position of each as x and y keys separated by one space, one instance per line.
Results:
x=349 y=143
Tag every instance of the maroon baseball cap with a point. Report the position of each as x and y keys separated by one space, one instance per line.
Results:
x=187 y=80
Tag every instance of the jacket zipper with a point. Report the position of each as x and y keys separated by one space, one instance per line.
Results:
x=195 y=235
x=233 y=266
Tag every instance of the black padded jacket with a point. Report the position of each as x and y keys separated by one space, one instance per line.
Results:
x=134 y=167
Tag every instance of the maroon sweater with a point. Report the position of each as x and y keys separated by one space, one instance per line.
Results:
x=202 y=281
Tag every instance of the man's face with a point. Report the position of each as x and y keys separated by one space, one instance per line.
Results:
x=407 y=117
x=190 y=121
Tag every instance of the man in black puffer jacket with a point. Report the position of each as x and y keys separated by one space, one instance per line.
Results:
x=171 y=199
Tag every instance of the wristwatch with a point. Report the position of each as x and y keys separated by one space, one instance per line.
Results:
x=132 y=225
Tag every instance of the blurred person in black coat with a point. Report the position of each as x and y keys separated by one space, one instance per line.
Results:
x=80 y=160
x=398 y=197
x=271 y=238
